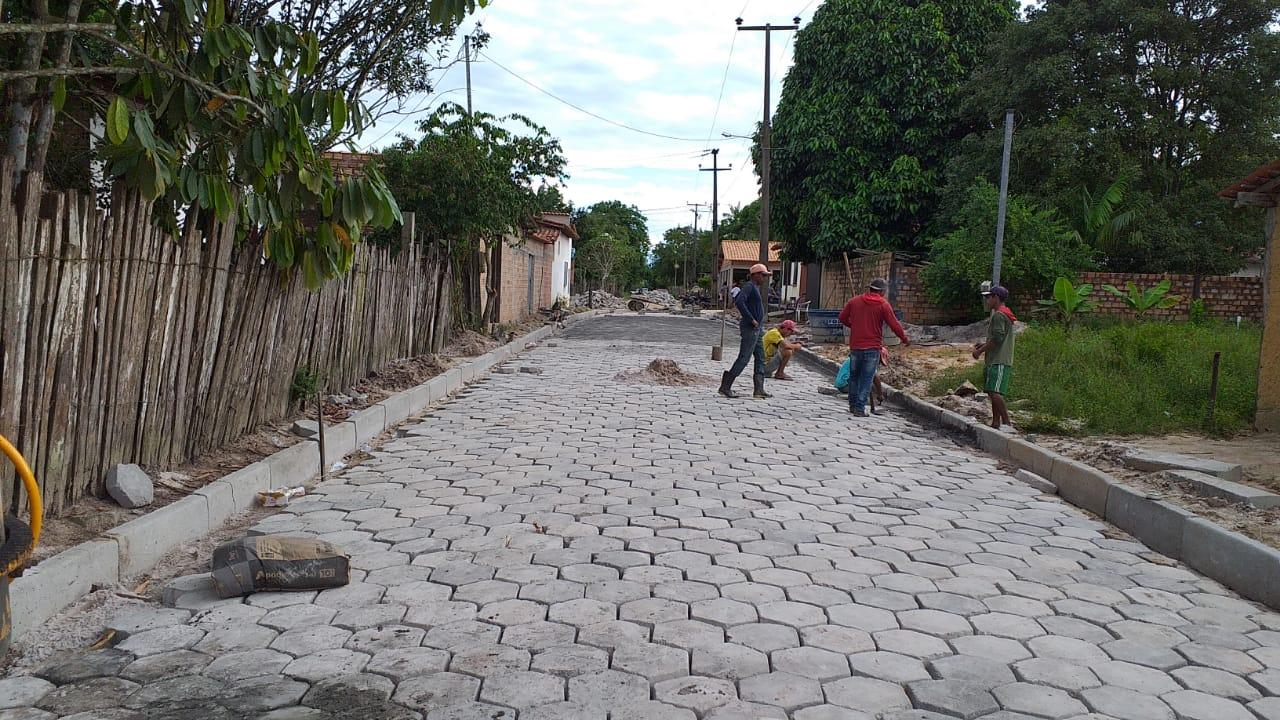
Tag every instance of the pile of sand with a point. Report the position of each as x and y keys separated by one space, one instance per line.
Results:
x=664 y=371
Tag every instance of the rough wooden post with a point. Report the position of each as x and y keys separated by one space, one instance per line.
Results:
x=1268 y=413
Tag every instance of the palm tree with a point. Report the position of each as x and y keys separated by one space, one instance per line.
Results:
x=1099 y=221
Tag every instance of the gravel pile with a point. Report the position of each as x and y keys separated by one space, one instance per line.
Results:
x=600 y=299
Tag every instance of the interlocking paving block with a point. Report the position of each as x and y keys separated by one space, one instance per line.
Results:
x=98 y=663
x=783 y=689
x=959 y=698
x=22 y=691
x=1038 y=700
x=866 y=694
x=699 y=694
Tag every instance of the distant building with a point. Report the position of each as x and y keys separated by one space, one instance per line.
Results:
x=737 y=257
x=536 y=270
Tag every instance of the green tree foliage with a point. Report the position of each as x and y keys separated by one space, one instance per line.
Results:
x=742 y=222
x=625 y=228
x=680 y=254
x=866 y=118
x=1181 y=96
x=468 y=179
x=1038 y=248
x=606 y=257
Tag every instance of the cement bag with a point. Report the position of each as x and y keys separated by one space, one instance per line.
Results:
x=267 y=563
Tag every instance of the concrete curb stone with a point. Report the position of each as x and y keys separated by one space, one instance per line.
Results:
x=1157 y=524
x=137 y=545
x=60 y=580
x=1241 y=563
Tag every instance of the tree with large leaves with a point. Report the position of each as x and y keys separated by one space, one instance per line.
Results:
x=1179 y=96
x=866 y=118
x=212 y=111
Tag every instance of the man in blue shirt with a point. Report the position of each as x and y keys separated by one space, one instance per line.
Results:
x=750 y=305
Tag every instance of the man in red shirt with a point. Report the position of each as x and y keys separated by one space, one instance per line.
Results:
x=866 y=315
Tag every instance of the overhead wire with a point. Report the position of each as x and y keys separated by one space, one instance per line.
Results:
x=583 y=110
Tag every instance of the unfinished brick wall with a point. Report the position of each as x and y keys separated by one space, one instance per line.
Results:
x=909 y=298
x=836 y=289
x=346 y=164
x=513 y=289
x=1224 y=297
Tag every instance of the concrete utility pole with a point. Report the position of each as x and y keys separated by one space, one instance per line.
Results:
x=697 y=208
x=466 y=50
x=1004 y=196
x=717 y=351
x=766 y=147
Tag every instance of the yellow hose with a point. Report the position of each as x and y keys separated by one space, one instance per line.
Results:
x=29 y=482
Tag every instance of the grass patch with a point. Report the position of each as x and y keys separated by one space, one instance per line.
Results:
x=1130 y=378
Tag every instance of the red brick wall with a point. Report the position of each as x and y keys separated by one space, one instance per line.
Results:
x=1224 y=297
x=513 y=289
x=909 y=298
x=836 y=290
x=347 y=164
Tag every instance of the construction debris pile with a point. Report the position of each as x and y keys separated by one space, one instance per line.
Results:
x=657 y=297
x=954 y=334
x=664 y=371
x=600 y=299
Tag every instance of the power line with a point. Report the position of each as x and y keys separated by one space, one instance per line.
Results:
x=583 y=110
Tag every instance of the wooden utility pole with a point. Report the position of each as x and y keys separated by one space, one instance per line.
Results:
x=717 y=351
x=766 y=147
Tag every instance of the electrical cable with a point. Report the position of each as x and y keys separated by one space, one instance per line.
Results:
x=583 y=110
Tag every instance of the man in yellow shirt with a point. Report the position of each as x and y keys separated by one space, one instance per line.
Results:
x=778 y=351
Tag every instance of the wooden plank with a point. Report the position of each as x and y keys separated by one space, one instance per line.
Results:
x=68 y=332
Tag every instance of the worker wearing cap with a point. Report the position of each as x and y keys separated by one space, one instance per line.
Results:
x=778 y=350
x=998 y=350
x=866 y=315
x=750 y=306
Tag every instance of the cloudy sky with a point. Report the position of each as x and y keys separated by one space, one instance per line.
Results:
x=656 y=66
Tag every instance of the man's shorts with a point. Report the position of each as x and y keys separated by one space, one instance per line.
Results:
x=771 y=365
x=997 y=379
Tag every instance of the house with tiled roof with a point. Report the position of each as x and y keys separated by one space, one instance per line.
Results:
x=537 y=269
x=737 y=256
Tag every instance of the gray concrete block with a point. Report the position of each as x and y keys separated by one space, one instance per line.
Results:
x=246 y=482
x=991 y=440
x=130 y=486
x=1242 y=564
x=144 y=540
x=1210 y=486
x=339 y=441
x=955 y=421
x=1157 y=524
x=1153 y=461
x=419 y=399
x=398 y=407
x=1081 y=485
x=925 y=410
x=1027 y=454
x=438 y=388
x=295 y=465
x=468 y=371
x=56 y=582
x=1036 y=481
x=220 y=497
x=369 y=423
x=305 y=428
x=181 y=591
x=453 y=380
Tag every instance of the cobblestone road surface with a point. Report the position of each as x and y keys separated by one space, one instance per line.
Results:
x=564 y=546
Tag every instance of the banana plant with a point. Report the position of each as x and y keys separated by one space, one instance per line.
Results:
x=1068 y=301
x=1142 y=302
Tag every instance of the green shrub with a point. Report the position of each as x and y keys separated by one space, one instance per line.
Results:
x=1129 y=378
x=1038 y=248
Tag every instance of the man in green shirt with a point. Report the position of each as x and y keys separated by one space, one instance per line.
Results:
x=998 y=350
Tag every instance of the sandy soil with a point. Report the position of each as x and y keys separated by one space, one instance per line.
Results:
x=663 y=371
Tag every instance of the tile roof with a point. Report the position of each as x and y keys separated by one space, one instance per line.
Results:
x=1258 y=178
x=748 y=251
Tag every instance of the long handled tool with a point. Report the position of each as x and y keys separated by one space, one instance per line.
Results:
x=717 y=352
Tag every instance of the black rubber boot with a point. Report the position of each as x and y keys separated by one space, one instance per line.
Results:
x=758 y=381
x=726 y=386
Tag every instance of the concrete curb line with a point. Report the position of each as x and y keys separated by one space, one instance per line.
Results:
x=134 y=547
x=1238 y=562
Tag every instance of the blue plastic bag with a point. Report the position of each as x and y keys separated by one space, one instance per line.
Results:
x=842 y=377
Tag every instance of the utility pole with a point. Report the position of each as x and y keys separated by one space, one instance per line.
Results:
x=692 y=267
x=1004 y=196
x=766 y=147
x=466 y=50
x=717 y=352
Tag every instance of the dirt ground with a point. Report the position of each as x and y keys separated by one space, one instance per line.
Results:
x=92 y=516
x=911 y=369
x=663 y=371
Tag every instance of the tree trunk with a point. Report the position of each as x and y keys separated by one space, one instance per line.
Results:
x=44 y=126
x=22 y=95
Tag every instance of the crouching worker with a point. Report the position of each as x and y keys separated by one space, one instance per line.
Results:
x=778 y=350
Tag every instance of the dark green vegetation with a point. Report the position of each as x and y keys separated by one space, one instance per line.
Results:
x=1130 y=116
